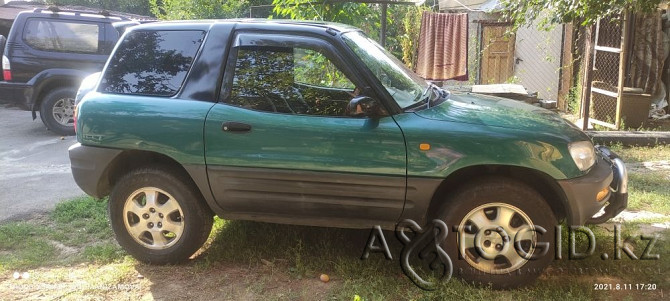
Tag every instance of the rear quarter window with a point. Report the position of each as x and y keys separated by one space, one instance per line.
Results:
x=152 y=63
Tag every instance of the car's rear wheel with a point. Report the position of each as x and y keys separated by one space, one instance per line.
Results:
x=157 y=216
x=499 y=239
x=57 y=110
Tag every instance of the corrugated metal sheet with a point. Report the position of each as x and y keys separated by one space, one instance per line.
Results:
x=538 y=56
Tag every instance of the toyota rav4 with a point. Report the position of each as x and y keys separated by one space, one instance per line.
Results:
x=316 y=124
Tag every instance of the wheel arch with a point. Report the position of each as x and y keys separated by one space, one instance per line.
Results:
x=47 y=80
x=130 y=160
x=541 y=182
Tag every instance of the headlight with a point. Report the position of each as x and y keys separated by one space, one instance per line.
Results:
x=583 y=154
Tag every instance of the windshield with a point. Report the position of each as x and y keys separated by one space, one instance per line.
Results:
x=405 y=86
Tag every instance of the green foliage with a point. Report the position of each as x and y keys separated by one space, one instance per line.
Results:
x=197 y=9
x=402 y=33
x=403 y=21
x=202 y=9
x=409 y=39
x=357 y=14
x=585 y=12
x=573 y=99
x=127 y=6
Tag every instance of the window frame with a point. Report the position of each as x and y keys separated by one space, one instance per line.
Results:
x=101 y=34
x=271 y=39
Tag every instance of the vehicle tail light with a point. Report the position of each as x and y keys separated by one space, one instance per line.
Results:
x=6 y=69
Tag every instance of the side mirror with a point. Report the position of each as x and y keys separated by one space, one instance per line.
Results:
x=363 y=106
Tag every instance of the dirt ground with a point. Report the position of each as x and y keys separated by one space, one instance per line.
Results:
x=145 y=282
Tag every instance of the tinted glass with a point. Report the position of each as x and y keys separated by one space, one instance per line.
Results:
x=62 y=36
x=289 y=80
x=151 y=62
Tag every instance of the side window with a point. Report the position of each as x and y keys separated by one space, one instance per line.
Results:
x=289 y=80
x=313 y=68
x=62 y=36
x=151 y=62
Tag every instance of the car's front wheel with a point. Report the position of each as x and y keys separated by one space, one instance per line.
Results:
x=158 y=216
x=505 y=232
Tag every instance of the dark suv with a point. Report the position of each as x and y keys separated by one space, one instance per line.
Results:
x=48 y=53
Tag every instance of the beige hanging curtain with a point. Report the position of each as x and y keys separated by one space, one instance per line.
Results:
x=443 y=47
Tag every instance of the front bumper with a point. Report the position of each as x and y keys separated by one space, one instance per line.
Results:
x=608 y=172
x=619 y=199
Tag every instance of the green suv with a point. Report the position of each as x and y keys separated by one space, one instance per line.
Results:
x=316 y=124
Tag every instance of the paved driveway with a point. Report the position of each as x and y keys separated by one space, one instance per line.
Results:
x=34 y=166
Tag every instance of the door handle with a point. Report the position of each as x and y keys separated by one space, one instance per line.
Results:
x=232 y=126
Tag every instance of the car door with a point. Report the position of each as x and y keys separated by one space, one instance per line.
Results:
x=281 y=146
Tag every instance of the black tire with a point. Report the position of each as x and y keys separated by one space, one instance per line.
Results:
x=506 y=193
x=59 y=99
x=195 y=217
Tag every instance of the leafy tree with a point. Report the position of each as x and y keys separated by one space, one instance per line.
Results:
x=408 y=40
x=361 y=15
x=140 y=7
x=403 y=21
x=203 y=9
x=585 y=12
x=196 y=9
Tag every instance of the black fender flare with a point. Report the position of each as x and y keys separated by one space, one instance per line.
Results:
x=43 y=79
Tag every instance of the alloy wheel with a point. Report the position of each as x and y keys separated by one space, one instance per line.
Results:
x=489 y=233
x=153 y=218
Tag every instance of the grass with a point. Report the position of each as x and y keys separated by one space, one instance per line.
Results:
x=337 y=252
x=77 y=224
x=648 y=189
x=642 y=153
x=251 y=260
x=22 y=245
